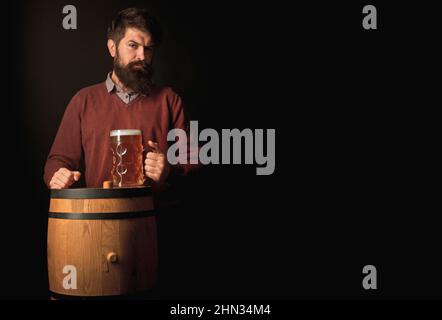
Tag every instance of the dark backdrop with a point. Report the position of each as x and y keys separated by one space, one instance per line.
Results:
x=354 y=167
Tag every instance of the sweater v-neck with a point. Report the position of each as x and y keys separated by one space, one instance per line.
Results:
x=122 y=103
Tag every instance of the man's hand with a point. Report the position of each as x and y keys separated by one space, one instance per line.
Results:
x=64 y=178
x=156 y=166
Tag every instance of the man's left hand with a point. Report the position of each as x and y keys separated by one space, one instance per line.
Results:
x=156 y=166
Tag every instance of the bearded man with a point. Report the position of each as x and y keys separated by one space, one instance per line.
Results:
x=128 y=99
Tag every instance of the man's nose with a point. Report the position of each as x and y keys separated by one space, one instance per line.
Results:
x=140 y=53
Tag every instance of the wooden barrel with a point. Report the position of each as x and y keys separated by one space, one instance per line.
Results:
x=101 y=242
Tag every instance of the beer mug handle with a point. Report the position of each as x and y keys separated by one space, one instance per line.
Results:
x=145 y=180
x=145 y=150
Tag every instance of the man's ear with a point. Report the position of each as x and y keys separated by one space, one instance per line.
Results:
x=112 y=47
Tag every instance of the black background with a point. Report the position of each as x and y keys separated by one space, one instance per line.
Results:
x=356 y=175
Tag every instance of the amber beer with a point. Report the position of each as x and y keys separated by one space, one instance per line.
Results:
x=127 y=158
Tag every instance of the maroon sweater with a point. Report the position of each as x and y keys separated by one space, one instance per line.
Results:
x=83 y=135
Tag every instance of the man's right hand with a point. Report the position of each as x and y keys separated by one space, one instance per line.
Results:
x=64 y=178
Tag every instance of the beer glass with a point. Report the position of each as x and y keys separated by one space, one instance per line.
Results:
x=127 y=158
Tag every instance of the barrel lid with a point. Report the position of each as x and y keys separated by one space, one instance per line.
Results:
x=99 y=193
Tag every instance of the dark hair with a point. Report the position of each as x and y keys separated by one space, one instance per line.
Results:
x=134 y=18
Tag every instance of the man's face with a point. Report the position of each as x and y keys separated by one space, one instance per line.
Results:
x=135 y=46
x=132 y=60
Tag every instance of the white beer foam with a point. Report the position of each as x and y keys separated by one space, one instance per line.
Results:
x=125 y=132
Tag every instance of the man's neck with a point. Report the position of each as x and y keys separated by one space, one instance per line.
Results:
x=118 y=82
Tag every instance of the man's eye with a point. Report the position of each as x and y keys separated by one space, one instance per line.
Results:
x=133 y=45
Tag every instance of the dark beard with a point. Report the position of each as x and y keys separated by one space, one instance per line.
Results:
x=138 y=79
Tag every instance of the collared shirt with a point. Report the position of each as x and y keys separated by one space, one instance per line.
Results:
x=126 y=97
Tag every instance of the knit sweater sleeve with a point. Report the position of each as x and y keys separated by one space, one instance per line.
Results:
x=180 y=120
x=66 y=150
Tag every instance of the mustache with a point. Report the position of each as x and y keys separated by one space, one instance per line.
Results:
x=143 y=64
